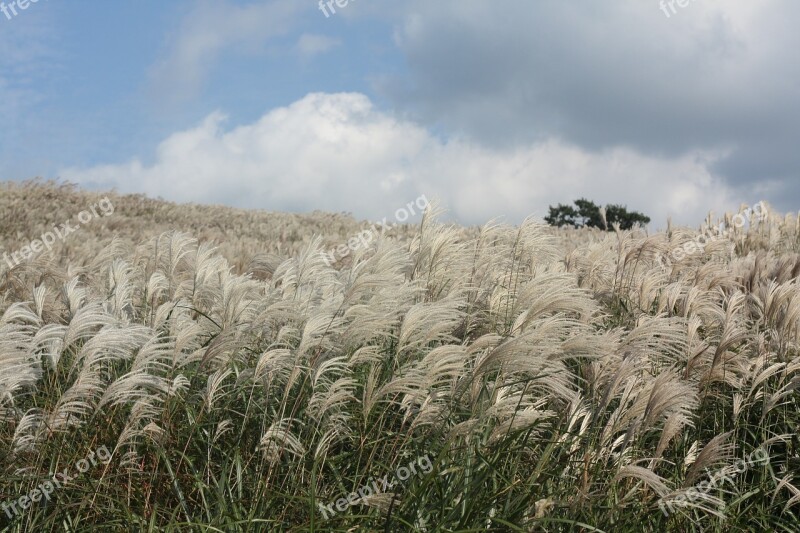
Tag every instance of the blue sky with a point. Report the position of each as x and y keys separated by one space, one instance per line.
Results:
x=91 y=83
x=495 y=109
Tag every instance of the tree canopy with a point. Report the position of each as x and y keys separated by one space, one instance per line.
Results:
x=587 y=214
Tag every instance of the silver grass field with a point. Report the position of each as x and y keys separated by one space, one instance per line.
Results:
x=558 y=380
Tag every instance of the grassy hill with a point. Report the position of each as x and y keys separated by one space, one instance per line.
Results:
x=182 y=367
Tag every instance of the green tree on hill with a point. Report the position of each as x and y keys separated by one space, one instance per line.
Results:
x=587 y=214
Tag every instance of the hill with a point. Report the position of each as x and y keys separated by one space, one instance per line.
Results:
x=177 y=367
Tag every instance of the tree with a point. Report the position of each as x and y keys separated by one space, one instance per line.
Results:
x=563 y=215
x=619 y=214
x=588 y=215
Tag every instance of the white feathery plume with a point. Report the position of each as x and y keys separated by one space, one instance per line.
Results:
x=39 y=297
x=669 y=395
x=85 y=323
x=223 y=427
x=672 y=428
x=278 y=439
x=20 y=312
x=157 y=288
x=335 y=365
x=717 y=450
x=785 y=482
x=336 y=433
x=121 y=288
x=369 y=354
x=179 y=385
x=370 y=323
x=334 y=397
x=275 y=364
x=646 y=476
x=77 y=402
x=430 y=322
x=133 y=387
x=214 y=385
x=786 y=391
x=317 y=333
x=49 y=343
x=18 y=370
x=27 y=431
x=73 y=295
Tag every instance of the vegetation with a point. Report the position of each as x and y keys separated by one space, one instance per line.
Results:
x=558 y=380
x=586 y=214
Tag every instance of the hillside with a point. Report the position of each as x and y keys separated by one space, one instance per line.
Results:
x=203 y=368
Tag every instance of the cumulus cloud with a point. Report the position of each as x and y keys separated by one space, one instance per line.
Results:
x=717 y=75
x=338 y=152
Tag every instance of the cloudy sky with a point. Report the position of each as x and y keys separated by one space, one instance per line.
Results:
x=495 y=108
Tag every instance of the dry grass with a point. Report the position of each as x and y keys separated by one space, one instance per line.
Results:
x=558 y=380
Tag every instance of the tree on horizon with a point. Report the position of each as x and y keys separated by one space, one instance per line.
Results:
x=587 y=214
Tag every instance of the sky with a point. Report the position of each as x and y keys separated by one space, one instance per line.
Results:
x=495 y=109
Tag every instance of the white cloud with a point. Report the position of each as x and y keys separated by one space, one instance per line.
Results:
x=337 y=152
x=309 y=45
x=716 y=75
x=211 y=28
